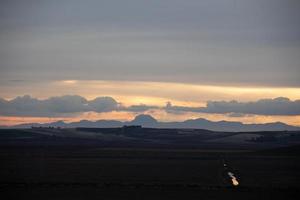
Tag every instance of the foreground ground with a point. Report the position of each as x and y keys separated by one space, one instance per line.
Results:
x=76 y=172
x=140 y=163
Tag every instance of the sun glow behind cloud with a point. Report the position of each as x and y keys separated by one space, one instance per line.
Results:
x=69 y=82
x=153 y=93
x=150 y=93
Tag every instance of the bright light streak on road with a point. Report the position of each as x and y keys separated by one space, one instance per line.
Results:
x=233 y=179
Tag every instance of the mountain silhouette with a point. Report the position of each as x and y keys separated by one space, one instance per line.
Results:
x=144 y=120
x=150 y=122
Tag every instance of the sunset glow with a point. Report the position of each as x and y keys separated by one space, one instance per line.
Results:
x=151 y=93
x=154 y=93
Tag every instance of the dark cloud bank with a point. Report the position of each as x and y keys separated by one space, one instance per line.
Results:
x=277 y=106
x=72 y=104
x=55 y=106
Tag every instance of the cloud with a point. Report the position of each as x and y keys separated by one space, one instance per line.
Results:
x=70 y=105
x=20 y=106
x=103 y=104
x=277 y=106
x=206 y=42
x=237 y=115
x=67 y=105
x=55 y=106
x=139 y=108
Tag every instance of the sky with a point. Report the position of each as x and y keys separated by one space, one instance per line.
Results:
x=235 y=60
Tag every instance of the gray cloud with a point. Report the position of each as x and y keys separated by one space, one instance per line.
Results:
x=237 y=115
x=64 y=104
x=55 y=106
x=70 y=105
x=67 y=105
x=103 y=104
x=139 y=108
x=211 y=42
x=277 y=106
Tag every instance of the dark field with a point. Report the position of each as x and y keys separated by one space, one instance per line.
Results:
x=94 y=172
x=78 y=173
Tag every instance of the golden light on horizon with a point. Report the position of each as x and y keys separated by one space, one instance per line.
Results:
x=154 y=94
x=158 y=114
x=69 y=81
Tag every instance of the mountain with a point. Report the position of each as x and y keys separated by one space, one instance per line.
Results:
x=149 y=121
x=144 y=120
x=99 y=123
x=230 y=126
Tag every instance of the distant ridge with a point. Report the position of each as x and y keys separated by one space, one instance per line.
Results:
x=149 y=121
